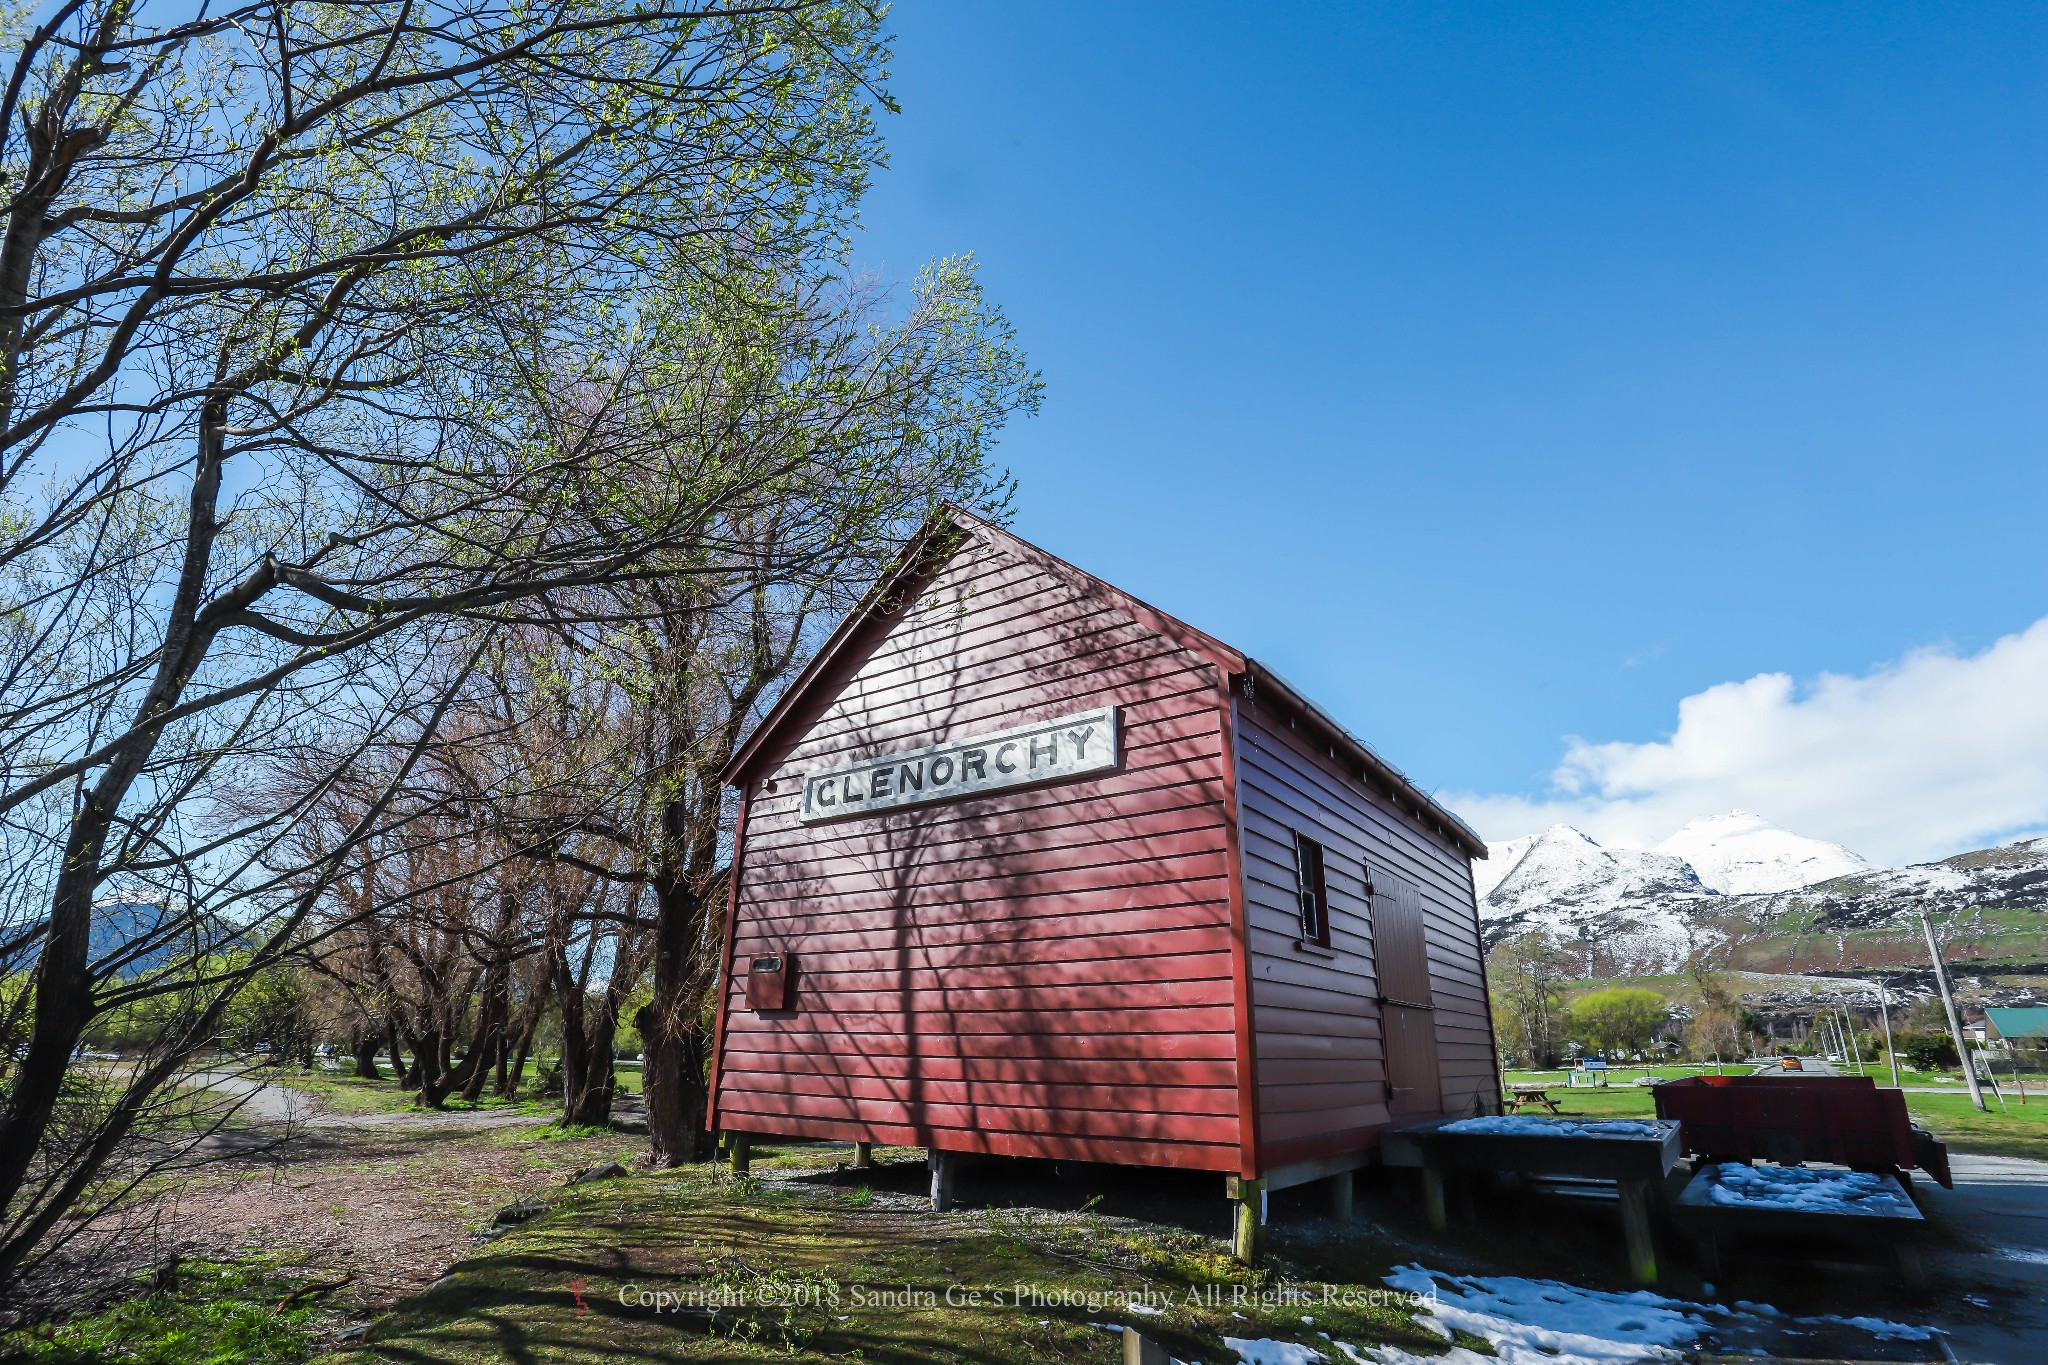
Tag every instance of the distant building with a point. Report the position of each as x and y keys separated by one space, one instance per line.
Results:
x=2016 y=1026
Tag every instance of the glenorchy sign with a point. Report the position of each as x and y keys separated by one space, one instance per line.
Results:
x=1043 y=751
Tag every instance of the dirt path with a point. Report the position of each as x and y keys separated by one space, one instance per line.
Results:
x=391 y=1198
x=266 y=1101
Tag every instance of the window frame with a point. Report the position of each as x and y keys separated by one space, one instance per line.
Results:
x=1312 y=891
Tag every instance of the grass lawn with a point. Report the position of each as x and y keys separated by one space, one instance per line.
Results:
x=807 y=1262
x=251 y=1309
x=2016 y=1130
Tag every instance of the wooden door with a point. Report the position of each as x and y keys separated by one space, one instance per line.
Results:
x=1407 y=1013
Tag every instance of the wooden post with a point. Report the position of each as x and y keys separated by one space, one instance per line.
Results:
x=1433 y=1199
x=1140 y=1349
x=943 y=1167
x=740 y=1148
x=1635 y=1230
x=1340 y=1196
x=863 y=1155
x=1248 y=1227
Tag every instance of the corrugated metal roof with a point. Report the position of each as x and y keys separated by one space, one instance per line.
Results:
x=2026 y=1021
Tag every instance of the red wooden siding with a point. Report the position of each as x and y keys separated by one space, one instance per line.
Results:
x=1321 y=1052
x=1044 y=972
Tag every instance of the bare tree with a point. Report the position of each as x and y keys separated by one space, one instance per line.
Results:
x=320 y=330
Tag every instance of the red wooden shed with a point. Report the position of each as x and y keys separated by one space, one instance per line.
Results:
x=1027 y=867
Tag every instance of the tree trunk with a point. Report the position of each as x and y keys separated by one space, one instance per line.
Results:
x=404 y=1073
x=678 y=1103
x=513 y=1073
x=470 y=1073
x=588 y=1078
x=364 y=1045
x=587 y=1101
x=62 y=1002
x=430 y=1072
x=488 y=1044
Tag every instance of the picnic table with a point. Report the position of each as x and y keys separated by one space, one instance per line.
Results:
x=1635 y=1154
x=1528 y=1094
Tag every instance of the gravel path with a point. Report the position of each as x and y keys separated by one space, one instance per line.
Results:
x=391 y=1198
x=267 y=1101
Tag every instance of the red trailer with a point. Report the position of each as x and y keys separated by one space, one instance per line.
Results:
x=1792 y=1119
x=1027 y=867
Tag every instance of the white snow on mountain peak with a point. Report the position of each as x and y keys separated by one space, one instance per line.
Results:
x=1642 y=903
x=1629 y=901
x=1501 y=857
x=1740 y=854
x=1564 y=866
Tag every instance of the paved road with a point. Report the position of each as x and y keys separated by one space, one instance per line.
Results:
x=264 y=1101
x=2000 y=1203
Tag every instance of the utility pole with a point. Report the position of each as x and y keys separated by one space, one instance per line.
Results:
x=1884 y=1012
x=1955 y=1023
x=1855 y=1050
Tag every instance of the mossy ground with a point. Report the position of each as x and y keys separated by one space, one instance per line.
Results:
x=256 y=1310
x=806 y=1260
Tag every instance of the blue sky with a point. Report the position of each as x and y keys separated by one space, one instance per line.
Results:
x=1508 y=374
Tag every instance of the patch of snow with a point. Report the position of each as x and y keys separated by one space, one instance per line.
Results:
x=1534 y=1322
x=1267 y=1351
x=1147 y=1309
x=1528 y=1125
x=1740 y=854
x=1544 y=1322
x=1880 y=1328
x=2030 y=1255
x=1394 y=1355
x=1805 y=1190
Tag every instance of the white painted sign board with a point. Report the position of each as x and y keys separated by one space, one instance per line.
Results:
x=1043 y=751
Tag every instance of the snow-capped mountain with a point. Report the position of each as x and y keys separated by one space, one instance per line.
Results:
x=1629 y=902
x=2010 y=877
x=1563 y=868
x=1740 y=854
x=1631 y=911
x=1500 y=860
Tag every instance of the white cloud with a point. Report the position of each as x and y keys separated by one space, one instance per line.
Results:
x=1932 y=755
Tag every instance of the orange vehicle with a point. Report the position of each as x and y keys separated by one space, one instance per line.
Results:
x=1790 y=1064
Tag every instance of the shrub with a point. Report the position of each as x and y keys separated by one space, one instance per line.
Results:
x=1929 y=1051
x=1619 y=1019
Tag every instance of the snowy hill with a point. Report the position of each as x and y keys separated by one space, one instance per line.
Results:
x=1631 y=911
x=2010 y=877
x=1739 y=854
x=1500 y=860
x=1630 y=903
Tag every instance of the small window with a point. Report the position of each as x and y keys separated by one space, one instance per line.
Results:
x=1315 y=894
